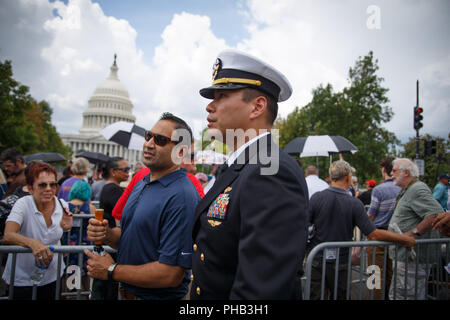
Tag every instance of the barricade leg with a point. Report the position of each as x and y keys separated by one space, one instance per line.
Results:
x=334 y=281
x=381 y=260
x=405 y=282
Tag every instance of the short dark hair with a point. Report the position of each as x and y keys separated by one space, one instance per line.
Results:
x=11 y=154
x=33 y=173
x=386 y=163
x=272 y=105
x=179 y=124
x=111 y=164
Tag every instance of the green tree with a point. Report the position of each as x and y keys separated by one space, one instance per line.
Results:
x=295 y=125
x=25 y=123
x=357 y=113
x=15 y=101
x=49 y=140
x=435 y=164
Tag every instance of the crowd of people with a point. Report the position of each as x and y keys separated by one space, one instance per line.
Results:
x=242 y=234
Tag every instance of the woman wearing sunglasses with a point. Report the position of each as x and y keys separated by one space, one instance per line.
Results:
x=36 y=221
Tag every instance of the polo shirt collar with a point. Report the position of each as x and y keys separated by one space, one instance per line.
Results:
x=168 y=178
x=338 y=190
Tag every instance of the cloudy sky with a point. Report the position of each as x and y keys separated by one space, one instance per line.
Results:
x=63 y=49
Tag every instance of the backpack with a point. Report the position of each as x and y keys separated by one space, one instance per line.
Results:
x=5 y=209
x=6 y=206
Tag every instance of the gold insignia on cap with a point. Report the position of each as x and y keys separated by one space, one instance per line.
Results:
x=228 y=189
x=216 y=67
x=214 y=223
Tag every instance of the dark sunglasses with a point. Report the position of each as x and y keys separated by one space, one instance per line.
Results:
x=44 y=185
x=160 y=140
x=123 y=169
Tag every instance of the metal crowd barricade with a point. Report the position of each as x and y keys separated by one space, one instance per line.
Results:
x=60 y=252
x=80 y=217
x=437 y=283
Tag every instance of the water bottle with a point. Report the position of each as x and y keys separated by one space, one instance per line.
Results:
x=39 y=271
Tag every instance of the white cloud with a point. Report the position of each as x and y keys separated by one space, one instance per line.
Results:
x=182 y=65
x=83 y=41
x=437 y=73
x=281 y=37
x=63 y=57
x=78 y=57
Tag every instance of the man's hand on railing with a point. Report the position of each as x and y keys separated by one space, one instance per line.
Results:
x=442 y=223
x=409 y=240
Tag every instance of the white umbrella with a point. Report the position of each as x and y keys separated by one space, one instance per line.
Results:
x=209 y=157
x=126 y=134
x=316 y=146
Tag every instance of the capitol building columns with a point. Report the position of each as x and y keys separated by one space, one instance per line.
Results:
x=109 y=103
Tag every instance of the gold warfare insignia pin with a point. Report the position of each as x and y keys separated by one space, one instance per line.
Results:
x=228 y=189
x=214 y=223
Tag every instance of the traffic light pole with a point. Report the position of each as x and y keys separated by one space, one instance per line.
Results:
x=417 y=130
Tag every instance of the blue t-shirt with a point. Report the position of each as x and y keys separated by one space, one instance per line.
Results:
x=440 y=193
x=383 y=202
x=156 y=225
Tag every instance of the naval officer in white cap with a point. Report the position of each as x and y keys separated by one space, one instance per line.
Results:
x=250 y=229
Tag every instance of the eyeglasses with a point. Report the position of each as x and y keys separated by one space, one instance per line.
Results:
x=395 y=170
x=123 y=169
x=160 y=140
x=44 y=185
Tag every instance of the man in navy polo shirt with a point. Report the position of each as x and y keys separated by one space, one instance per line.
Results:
x=154 y=239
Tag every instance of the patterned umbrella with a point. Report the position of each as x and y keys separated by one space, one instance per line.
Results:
x=126 y=134
x=209 y=157
x=314 y=146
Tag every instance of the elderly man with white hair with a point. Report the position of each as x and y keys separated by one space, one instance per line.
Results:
x=414 y=213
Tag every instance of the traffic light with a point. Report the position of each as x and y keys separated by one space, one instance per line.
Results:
x=430 y=147
x=418 y=118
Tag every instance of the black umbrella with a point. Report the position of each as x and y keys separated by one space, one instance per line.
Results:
x=126 y=134
x=314 y=146
x=94 y=157
x=45 y=156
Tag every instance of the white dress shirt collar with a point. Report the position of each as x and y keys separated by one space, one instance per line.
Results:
x=234 y=155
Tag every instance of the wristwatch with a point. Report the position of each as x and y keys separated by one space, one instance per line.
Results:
x=416 y=232
x=111 y=270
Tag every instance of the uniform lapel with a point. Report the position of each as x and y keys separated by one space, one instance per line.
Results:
x=227 y=178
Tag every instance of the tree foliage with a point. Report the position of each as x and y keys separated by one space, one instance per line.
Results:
x=25 y=123
x=357 y=113
x=435 y=164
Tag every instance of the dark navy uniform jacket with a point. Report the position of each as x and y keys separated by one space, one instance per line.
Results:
x=250 y=230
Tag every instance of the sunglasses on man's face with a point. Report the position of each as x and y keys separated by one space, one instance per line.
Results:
x=123 y=169
x=44 y=185
x=160 y=140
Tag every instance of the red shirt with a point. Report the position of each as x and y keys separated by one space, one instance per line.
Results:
x=118 y=208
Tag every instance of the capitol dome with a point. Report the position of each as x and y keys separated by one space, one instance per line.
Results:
x=109 y=103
